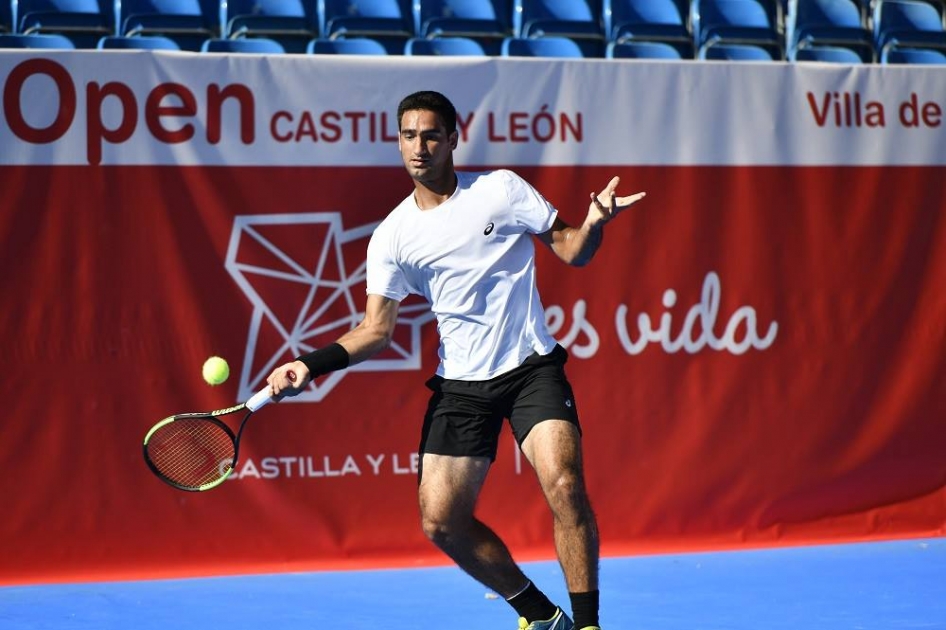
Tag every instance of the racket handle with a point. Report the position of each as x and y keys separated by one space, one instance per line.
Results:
x=264 y=396
x=260 y=398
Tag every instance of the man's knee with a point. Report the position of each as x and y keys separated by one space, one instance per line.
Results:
x=434 y=529
x=442 y=529
x=566 y=495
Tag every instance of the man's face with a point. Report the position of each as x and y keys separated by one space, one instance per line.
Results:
x=426 y=147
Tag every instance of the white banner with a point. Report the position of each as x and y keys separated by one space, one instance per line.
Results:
x=134 y=107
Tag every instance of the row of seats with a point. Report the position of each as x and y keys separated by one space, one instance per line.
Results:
x=889 y=31
x=852 y=31
x=550 y=46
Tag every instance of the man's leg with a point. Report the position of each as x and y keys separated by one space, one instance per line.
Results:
x=553 y=447
x=449 y=488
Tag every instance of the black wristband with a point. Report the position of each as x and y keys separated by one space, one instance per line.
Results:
x=331 y=358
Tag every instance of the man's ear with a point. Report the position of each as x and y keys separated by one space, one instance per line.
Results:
x=454 y=139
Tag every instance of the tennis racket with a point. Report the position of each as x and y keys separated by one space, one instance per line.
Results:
x=197 y=451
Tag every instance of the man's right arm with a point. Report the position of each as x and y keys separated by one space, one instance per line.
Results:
x=371 y=336
x=374 y=333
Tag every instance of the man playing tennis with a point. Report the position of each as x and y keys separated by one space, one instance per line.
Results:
x=463 y=241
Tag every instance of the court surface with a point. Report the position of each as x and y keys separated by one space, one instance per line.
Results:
x=864 y=586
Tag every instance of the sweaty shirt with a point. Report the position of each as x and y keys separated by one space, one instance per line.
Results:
x=473 y=258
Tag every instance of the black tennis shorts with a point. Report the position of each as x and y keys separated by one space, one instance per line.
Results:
x=464 y=418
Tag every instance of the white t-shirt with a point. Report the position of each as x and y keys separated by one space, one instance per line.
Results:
x=472 y=258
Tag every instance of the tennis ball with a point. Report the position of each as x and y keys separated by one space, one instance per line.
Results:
x=216 y=370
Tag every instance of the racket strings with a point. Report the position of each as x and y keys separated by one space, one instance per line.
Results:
x=191 y=453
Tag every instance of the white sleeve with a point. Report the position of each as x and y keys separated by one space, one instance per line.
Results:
x=383 y=275
x=531 y=210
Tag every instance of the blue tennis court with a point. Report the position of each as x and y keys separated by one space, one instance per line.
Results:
x=863 y=586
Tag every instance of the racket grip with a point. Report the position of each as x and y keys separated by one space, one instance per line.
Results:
x=260 y=398
x=264 y=396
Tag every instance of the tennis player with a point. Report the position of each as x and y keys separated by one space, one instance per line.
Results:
x=464 y=241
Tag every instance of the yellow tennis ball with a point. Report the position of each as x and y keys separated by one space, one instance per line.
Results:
x=216 y=370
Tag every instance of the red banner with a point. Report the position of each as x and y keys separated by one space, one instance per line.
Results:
x=757 y=354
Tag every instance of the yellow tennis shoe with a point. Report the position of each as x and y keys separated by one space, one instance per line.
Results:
x=559 y=621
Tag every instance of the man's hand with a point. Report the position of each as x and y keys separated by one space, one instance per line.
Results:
x=289 y=379
x=606 y=205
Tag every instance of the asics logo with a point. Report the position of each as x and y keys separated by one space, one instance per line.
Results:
x=489 y=229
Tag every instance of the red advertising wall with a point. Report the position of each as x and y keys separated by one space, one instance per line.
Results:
x=757 y=352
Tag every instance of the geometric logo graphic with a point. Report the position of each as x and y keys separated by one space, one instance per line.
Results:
x=304 y=275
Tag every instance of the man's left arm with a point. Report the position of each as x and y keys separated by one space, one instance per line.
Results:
x=577 y=245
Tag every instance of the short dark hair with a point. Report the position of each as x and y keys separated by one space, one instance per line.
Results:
x=429 y=101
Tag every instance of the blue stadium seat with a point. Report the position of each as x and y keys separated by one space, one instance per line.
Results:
x=18 y=40
x=548 y=46
x=665 y=21
x=6 y=17
x=390 y=22
x=187 y=22
x=253 y=45
x=829 y=54
x=444 y=46
x=579 y=20
x=141 y=42
x=909 y=24
x=737 y=52
x=833 y=23
x=346 y=46
x=637 y=49
x=292 y=23
x=486 y=21
x=921 y=56
x=755 y=23
x=82 y=21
